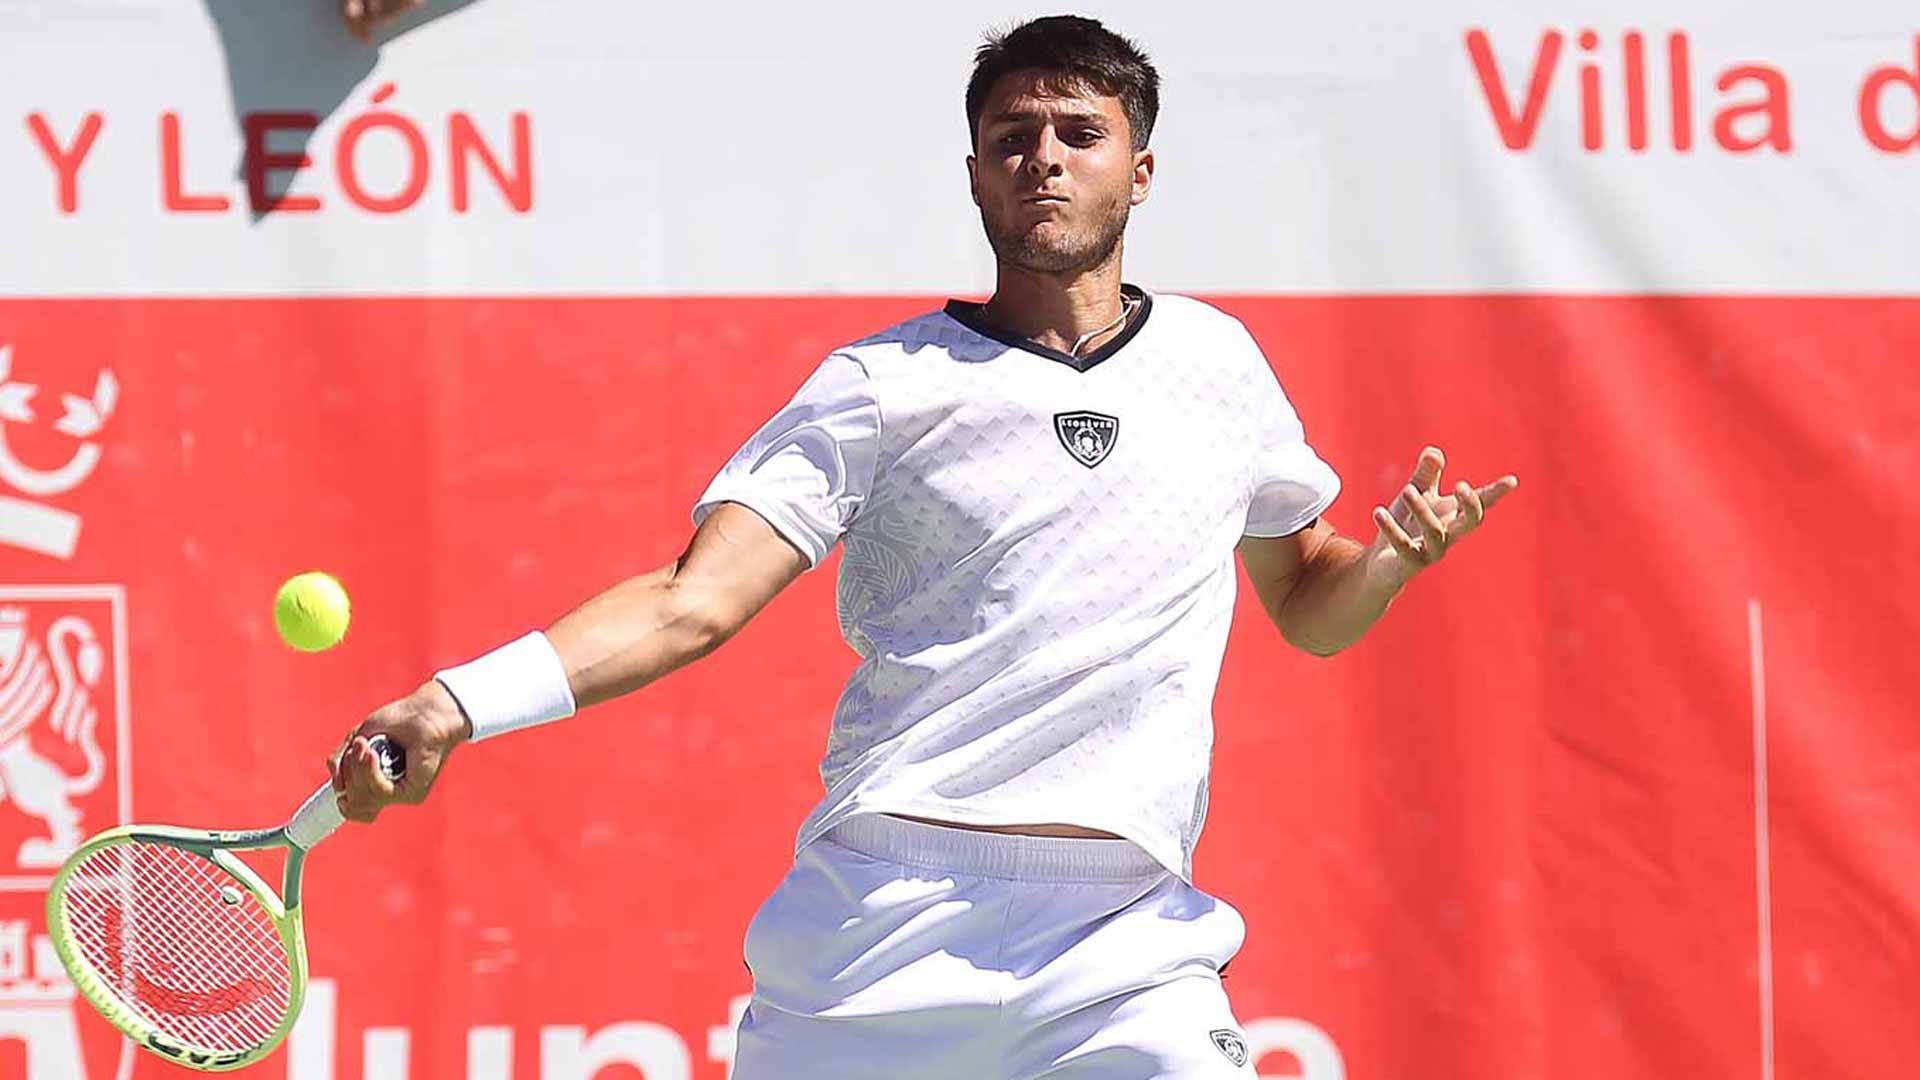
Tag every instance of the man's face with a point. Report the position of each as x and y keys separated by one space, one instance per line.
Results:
x=1054 y=173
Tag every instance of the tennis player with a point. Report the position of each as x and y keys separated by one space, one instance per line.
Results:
x=1039 y=498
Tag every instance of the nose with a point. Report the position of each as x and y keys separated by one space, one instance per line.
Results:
x=1046 y=155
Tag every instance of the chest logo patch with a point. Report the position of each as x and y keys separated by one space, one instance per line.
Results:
x=1088 y=436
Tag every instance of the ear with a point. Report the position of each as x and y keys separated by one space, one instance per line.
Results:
x=973 y=178
x=1142 y=177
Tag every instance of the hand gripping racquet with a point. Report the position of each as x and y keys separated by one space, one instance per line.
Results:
x=180 y=944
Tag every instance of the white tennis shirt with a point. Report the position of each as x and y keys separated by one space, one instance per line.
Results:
x=1039 y=560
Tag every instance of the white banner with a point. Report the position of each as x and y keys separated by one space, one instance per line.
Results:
x=608 y=147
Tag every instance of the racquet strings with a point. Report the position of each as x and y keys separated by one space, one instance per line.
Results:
x=182 y=941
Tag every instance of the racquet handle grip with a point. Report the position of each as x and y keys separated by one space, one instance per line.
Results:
x=316 y=819
x=320 y=815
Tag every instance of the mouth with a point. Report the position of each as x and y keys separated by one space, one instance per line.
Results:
x=1043 y=199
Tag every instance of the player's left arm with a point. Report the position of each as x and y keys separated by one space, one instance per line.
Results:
x=1324 y=590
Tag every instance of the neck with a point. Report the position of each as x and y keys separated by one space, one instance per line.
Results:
x=1057 y=310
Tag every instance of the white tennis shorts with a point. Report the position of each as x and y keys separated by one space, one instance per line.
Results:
x=895 y=950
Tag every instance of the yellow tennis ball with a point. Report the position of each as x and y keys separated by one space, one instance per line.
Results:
x=311 y=611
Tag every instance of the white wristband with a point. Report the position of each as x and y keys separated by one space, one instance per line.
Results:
x=517 y=685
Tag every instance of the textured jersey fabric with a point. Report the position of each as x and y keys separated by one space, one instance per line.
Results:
x=1039 y=561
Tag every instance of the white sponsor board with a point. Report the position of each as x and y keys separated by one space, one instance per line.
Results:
x=605 y=147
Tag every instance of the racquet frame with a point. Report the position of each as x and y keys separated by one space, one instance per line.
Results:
x=316 y=819
x=218 y=848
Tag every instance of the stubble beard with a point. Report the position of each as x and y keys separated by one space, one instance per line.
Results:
x=1050 y=252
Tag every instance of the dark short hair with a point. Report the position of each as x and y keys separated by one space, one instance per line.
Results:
x=1078 y=54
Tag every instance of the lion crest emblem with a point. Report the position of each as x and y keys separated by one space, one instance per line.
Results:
x=48 y=687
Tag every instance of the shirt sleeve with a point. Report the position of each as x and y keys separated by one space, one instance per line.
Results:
x=1291 y=485
x=810 y=468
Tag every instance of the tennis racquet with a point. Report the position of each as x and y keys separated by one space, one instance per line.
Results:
x=184 y=947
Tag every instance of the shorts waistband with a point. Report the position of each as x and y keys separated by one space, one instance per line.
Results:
x=993 y=854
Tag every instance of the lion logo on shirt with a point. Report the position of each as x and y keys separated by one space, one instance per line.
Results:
x=1088 y=436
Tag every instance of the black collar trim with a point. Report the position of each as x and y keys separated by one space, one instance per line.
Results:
x=968 y=314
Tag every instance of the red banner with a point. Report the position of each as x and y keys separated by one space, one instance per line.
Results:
x=1623 y=780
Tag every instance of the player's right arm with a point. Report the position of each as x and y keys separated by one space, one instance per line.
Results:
x=616 y=642
x=777 y=507
x=647 y=626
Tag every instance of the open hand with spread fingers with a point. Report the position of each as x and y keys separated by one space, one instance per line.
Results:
x=1421 y=524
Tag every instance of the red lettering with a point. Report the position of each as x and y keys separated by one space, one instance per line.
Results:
x=348 y=171
x=1636 y=53
x=174 y=195
x=1517 y=133
x=67 y=162
x=1592 y=134
x=1773 y=106
x=1680 y=85
x=1870 y=92
x=464 y=139
x=261 y=162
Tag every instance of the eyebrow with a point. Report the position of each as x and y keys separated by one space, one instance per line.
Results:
x=1093 y=118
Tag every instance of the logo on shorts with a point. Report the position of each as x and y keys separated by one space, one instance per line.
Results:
x=1088 y=436
x=1231 y=1044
